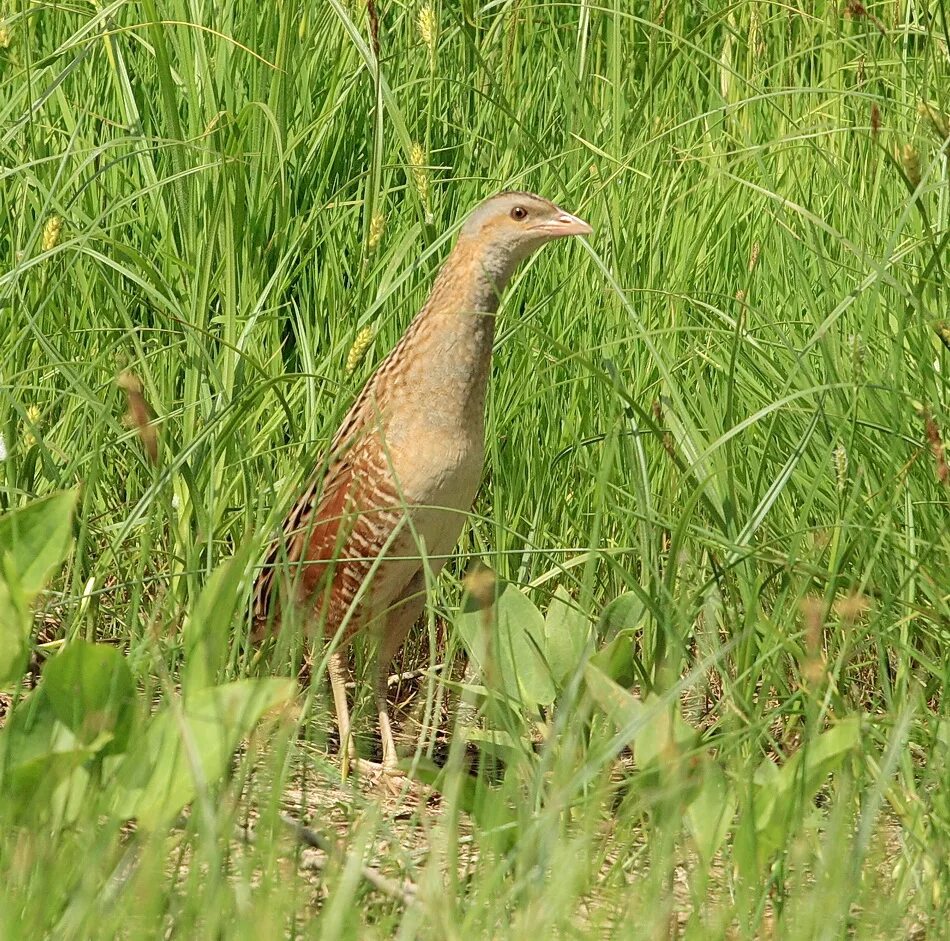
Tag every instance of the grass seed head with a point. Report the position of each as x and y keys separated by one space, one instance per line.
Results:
x=51 y=233
x=841 y=467
x=851 y=607
x=667 y=439
x=754 y=256
x=358 y=350
x=813 y=663
x=5 y=37
x=936 y=118
x=910 y=160
x=858 y=352
x=419 y=171
x=934 y=439
x=754 y=29
x=34 y=418
x=479 y=582
x=428 y=26
x=377 y=226
x=373 y=16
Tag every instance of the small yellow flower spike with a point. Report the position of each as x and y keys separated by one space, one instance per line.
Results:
x=420 y=175
x=51 y=232
x=376 y=228
x=359 y=348
x=841 y=467
x=428 y=26
x=754 y=256
x=34 y=417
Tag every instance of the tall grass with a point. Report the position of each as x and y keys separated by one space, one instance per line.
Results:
x=732 y=402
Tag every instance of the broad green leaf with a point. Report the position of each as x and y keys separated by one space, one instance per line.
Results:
x=207 y=632
x=37 y=537
x=664 y=734
x=815 y=760
x=187 y=746
x=33 y=782
x=651 y=727
x=91 y=691
x=507 y=643
x=622 y=708
x=772 y=811
x=15 y=623
x=443 y=779
x=710 y=814
x=943 y=737
x=745 y=842
x=624 y=613
x=520 y=642
x=34 y=540
x=503 y=745
x=780 y=792
x=565 y=636
x=37 y=753
x=617 y=659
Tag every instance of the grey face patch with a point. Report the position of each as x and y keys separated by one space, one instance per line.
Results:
x=502 y=206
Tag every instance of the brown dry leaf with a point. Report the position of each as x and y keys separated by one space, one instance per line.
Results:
x=937 y=449
x=813 y=614
x=849 y=608
x=139 y=415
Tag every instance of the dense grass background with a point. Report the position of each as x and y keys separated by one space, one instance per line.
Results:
x=731 y=401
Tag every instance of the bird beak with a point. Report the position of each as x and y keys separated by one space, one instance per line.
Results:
x=563 y=224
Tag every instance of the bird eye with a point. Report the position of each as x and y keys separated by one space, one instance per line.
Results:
x=519 y=213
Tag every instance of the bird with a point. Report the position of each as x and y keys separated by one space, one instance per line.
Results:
x=391 y=495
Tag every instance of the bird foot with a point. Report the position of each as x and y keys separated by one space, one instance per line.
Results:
x=388 y=778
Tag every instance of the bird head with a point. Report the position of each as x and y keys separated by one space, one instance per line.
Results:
x=507 y=228
x=522 y=222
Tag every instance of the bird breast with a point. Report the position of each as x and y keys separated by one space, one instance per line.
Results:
x=435 y=465
x=423 y=481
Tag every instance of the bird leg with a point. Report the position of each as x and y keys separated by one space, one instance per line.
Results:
x=380 y=688
x=337 y=670
x=388 y=647
x=399 y=620
x=391 y=630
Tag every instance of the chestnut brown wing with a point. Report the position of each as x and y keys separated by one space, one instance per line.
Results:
x=352 y=508
x=311 y=535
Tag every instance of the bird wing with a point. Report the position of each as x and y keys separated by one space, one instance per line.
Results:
x=311 y=531
x=310 y=534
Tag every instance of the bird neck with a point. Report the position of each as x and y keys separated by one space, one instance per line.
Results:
x=459 y=316
x=453 y=334
x=473 y=277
